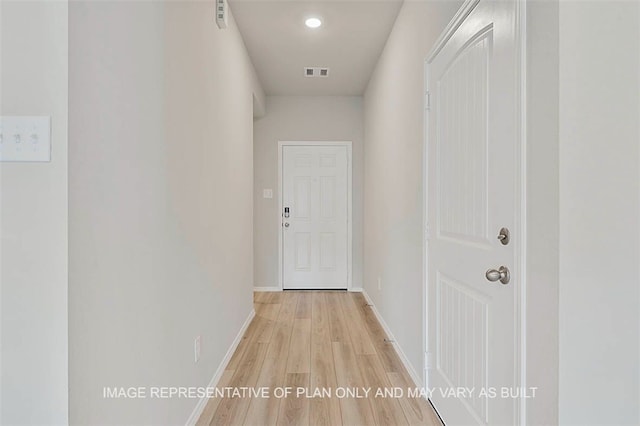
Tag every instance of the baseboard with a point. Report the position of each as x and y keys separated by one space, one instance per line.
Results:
x=259 y=289
x=267 y=289
x=417 y=380
x=202 y=403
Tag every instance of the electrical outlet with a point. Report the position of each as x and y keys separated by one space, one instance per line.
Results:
x=379 y=284
x=196 y=348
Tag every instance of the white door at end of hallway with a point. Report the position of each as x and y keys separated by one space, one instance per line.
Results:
x=314 y=215
x=473 y=192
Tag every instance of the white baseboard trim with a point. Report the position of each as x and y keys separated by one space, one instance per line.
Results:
x=267 y=289
x=202 y=403
x=417 y=380
x=357 y=290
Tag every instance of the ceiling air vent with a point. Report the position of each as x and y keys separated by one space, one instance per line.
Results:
x=316 y=72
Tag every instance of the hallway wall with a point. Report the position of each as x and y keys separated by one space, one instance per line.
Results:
x=599 y=213
x=160 y=166
x=301 y=118
x=393 y=201
x=33 y=220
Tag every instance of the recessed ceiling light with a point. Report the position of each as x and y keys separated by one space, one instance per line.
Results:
x=313 y=22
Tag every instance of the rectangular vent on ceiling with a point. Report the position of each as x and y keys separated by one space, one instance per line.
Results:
x=316 y=72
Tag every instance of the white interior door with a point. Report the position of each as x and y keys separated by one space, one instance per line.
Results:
x=315 y=233
x=473 y=175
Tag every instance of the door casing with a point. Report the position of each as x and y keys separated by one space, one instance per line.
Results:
x=521 y=196
x=348 y=146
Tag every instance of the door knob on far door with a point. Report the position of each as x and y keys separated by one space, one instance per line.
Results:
x=286 y=224
x=501 y=274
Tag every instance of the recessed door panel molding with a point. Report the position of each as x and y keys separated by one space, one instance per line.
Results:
x=302 y=197
x=462 y=327
x=327 y=160
x=303 y=161
x=302 y=249
x=462 y=146
x=472 y=159
x=315 y=238
x=327 y=197
x=328 y=251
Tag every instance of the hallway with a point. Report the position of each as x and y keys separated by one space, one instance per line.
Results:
x=318 y=339
x=206 y=204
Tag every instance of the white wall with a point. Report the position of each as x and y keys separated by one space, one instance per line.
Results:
x=599 y=212
x=33 y=220
x=160 y=202
x=301 y=118
x=542 y=213
x=393 y=221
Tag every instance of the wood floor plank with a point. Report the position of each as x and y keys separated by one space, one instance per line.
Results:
x=417 y=410
x=275 y=297
x=299 y=360
x=320 y=316
x=255 y=328
x=337 y=324
x=212 y=405
x=268 y=312
x=294 y=410
x=260 y=296
x=369 y=319
x=385 y=350
x=386 y=411
x=389 y=358
x=360 y=339
x=264 y=411
x=288 y=307
x=322 y=411
x=304 y=305
x=232 y=411
x=354 y=411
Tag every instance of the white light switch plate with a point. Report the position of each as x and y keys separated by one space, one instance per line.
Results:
x=25 y=139
x=267 y=193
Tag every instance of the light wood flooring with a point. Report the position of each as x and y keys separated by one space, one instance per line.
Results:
x=316 y=339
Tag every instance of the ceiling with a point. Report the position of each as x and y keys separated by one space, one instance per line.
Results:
x=349 y=42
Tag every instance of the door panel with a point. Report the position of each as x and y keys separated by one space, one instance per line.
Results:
x=315 y=242
x=302 y=249
x=472 y=190
x=462 y=144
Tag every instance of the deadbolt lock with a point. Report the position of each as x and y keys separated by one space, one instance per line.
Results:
x=504 y=236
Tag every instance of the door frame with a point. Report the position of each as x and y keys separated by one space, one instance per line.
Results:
x=348 y=145
x=521 y=197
